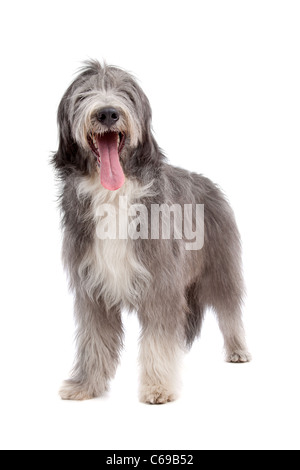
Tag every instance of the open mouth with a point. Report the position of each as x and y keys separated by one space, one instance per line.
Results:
x=107 y=149
x=94 y=141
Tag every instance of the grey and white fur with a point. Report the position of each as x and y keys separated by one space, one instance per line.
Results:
x=168 y=287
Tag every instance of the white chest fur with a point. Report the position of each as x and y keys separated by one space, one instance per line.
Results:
x=110 y=267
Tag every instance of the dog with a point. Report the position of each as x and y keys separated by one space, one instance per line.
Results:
x=107 y=155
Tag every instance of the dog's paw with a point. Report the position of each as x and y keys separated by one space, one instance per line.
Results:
x=72 y=390
x=239 y=357
x=156 y=395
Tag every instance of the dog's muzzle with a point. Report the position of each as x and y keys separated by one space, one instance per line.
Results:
x=107 y=147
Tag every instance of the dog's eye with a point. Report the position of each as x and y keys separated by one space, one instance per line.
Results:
x=80 y=98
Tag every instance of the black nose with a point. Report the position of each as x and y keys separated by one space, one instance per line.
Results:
x=108 y=116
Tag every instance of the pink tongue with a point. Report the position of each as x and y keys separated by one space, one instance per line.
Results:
x=111 y=173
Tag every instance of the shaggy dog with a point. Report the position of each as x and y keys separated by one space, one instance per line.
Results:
x=108 y=158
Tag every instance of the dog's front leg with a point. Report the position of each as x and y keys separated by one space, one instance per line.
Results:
x=99 y=341
x=160 y=358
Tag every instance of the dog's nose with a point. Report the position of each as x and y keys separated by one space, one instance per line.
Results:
x=108 y=116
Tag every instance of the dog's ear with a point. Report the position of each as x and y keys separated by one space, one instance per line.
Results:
x=148 y=152
x=146 y=159
x=67 y=154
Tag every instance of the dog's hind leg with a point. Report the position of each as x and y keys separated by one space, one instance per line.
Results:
x=99 y=341
x=195 y=313
x=227 y=305
x=223 y=285
x=231 y=326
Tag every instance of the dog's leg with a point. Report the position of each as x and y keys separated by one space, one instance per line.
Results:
x=160 y=358
x=99 y=340
x=195 y=316
x=232 y=328
x=225 y=292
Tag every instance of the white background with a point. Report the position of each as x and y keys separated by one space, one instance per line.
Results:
x=223 y=78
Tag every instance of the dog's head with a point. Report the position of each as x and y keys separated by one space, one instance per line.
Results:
x=105 y=125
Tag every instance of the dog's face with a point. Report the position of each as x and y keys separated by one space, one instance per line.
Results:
x=104 y=117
